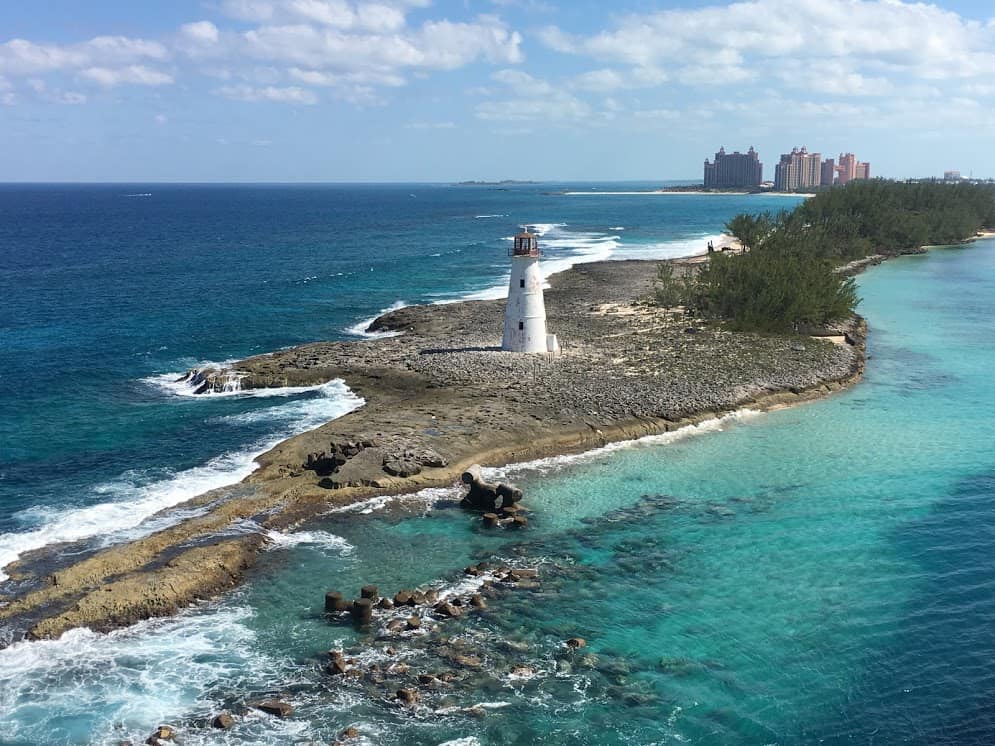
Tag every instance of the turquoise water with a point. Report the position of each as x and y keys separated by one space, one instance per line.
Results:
x=820 y=574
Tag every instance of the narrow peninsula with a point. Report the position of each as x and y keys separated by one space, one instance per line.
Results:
x=440 y=395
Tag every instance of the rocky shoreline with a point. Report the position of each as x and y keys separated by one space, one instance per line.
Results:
x=439 y=396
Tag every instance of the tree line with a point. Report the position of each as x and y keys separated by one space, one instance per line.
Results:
x=787 y=275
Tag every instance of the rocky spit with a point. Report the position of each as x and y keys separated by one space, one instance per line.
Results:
x=440 y=396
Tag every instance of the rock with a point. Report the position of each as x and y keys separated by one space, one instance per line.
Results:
x=223 y=721
x=337 y=664
x=576 y=642
x=402 y=598
x=162 y=733
x=524 y=671
x=468 y=661
x=476 y=711
x=417 y=598
x=471 y=571
x=520 y=521
x=348 y=733
x=274 y=707
x=362 y=610
x=402 y=467
x=490 y=520
x=519 y=573
x=431 y=596
x=368 y=591
x=413 y=622
x=398 y=669
x=335 y=602
x=477 y=601
x=446 y=609
x=427 y=679
x=385 y=603
x=409 y=697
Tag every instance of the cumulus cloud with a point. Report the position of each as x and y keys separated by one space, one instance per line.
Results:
x=134 y=74
x=533 y=100
x=286 y=95
x=871 y=40
x=105 y=60
x=203 y=32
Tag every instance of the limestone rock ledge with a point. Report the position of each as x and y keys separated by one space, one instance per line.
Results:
x=439 y=397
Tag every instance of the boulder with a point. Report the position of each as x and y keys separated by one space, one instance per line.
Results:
x=334 y=602
x=368 y=591
x=223 y=721
x=401 y=467
x=273 y=707
x=576 y=642
x=409 y=697
x=413 y=622
x=348 y=733
x=362 y=610
x=446 y=609
x=162 y=733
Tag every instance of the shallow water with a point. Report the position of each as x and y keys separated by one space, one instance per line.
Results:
x=816 y=574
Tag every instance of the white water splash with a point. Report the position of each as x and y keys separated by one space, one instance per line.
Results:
x=126 y=503
x=360 y=329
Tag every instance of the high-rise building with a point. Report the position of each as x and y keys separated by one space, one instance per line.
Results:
x=828 y=172
x=735 y=170
x=951 y=176
x=850 y=168
x=798 y=169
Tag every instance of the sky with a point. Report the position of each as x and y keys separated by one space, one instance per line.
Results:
x=450 y=90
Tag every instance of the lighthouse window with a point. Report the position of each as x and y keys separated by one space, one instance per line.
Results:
x=521 y=325
x=521 y=283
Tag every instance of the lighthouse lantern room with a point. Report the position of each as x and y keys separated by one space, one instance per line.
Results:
x=525 y=314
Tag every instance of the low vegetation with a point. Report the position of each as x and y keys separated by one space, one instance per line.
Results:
x=786 y=275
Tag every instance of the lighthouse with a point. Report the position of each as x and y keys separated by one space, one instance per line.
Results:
x=525 y=314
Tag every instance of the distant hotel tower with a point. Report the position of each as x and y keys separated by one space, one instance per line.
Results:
x=525 y=314
x=851 y=169
x=798 y=169
x=734 y=170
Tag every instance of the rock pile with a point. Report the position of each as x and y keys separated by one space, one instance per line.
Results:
x=352 y=463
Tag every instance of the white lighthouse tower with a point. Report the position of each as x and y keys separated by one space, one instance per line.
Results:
x=525 y=314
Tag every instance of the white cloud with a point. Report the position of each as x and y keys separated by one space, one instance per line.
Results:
x=134 y=74
x=534 y=100
x=105 y=60
x=287 y=95
x=523 y=84
x=876 y=39
x=609 y=79
x=203 y=32
x=161 y=119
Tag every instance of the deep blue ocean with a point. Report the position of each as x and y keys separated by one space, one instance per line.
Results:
x=815 y=575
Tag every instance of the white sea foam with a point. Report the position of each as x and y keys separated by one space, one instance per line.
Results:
x=128 y=501
x=320 y=539
x=120 y=685
x=677 y=248
x=482 y=217
x=360 y=328
x=555 y=463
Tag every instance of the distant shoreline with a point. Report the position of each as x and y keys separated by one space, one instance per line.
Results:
x=707 y=192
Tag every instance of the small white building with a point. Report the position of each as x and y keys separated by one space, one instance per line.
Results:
x=525 y=314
